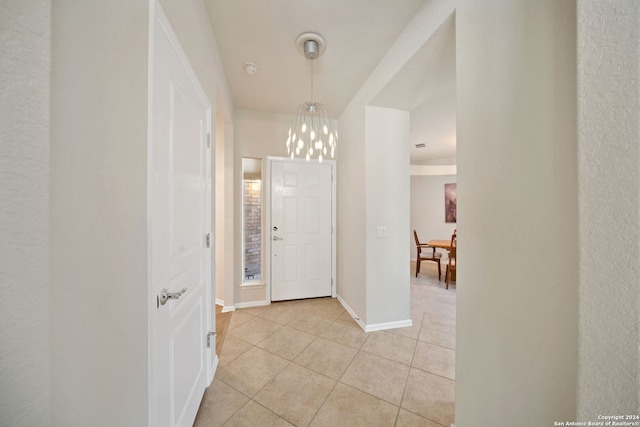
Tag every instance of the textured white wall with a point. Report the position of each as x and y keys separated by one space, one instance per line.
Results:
x=99 y=300
x=351 y=210
x=387 y=201
x=609 y=339
x=25 y=61
x=257 y=135
x=427 y=210
x=99 y=213
x=517 y=289
x=354 y=236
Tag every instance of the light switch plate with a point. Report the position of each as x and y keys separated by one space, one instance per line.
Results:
x=381 y=231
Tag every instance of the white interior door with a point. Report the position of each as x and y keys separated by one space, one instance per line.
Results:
x=179 y=206
x=300 y=232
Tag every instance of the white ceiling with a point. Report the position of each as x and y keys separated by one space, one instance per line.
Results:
x=358 y=34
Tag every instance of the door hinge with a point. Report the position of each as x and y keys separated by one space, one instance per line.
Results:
x=208 y=140
x=332 y=281
x=209 y=335
x=208 y=240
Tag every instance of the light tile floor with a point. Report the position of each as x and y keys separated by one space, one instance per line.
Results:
x=307 y=363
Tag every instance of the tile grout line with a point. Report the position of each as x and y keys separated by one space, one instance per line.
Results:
x=415 y=349
x=252 y=398
x=324 y=401
x=359 y=350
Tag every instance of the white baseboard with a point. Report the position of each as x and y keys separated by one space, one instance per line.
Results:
x=375 y=326
x=351 y=312
x=253 y=284
x=252 y=304
x=225 y=308
x=388 y=325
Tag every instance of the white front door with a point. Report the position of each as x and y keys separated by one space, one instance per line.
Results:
x=301 y=229
x=179 y=206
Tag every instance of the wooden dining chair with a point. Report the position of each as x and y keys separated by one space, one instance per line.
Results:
x=451 y=266
x=429 y=254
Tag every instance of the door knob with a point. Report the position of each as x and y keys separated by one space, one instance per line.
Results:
x=166 y=295
x=278 y=238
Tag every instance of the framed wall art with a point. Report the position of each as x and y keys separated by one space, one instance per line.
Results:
x=450 y=202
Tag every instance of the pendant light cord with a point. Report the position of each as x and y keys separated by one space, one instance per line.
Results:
x=311 y=80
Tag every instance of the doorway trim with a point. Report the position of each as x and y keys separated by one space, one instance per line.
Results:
x=267 y=221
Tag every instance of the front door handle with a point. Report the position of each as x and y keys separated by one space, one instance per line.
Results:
x=166 y=295
x=276 y=238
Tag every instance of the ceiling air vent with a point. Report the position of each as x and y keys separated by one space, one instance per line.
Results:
x=420 y=145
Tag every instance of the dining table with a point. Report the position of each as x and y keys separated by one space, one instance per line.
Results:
x=442 y=244
x=446 y=245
